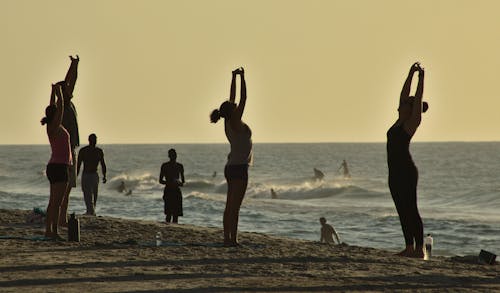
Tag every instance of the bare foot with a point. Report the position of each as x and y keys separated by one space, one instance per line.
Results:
x=407 y=252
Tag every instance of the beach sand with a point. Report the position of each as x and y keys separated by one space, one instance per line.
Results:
x=118 y=255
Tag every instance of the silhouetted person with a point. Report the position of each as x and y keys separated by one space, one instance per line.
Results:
x=239 y=136
x=214 y=174
x=172 y=175
x=60 y=159
x=345 y=168
x=69 y=121
x=273 y=194
x=327 y=232
x=403 y=174
x=121 y=187
x=91 y=156
x=318 y=175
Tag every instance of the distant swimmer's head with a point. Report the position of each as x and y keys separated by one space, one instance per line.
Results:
x=172 y=154
x=322 y=220
x=50 y=113
x=92 y=139
x=225 y=111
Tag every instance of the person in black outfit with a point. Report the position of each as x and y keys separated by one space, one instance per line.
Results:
x=172 y=175
x=403 y=174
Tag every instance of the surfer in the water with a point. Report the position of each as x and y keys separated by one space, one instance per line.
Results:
x=318 y=175
x=403 y=174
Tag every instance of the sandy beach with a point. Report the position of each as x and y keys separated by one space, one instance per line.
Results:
x=118 y=255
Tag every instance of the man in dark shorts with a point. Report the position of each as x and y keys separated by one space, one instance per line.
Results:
x=91 y=156
x=172 y=175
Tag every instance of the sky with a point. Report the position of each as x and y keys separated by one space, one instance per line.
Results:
x=316 y=71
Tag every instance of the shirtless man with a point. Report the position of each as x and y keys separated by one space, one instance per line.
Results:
x=172 y=176
x=91 y=156
x=327 y=231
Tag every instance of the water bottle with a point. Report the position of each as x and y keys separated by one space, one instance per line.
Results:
x=428 y=241
x=73 y=228
x=158 y=238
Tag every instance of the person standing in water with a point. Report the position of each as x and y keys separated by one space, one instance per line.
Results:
x=403 y=174
x=346 y=169
x=69 y=121
x=239 y=136
x=172 y=175
x=91 y=156
x=60 y=160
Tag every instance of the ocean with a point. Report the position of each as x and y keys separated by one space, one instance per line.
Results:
x=458 y=192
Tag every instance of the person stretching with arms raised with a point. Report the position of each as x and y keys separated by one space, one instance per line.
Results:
x=403 y=174
x=239 y=136
x=60 y=160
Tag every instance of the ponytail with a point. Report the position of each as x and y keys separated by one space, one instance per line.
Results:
x=215 y=116
x=44 y=120
x=425 y=107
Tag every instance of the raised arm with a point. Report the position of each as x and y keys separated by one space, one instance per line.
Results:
x=72 y=75
x=54 y=124
x=232 y=93
x=405 y=92
x=417 y=104
x=243 y=96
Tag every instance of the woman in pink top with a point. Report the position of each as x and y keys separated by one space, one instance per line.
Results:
x=57 y=168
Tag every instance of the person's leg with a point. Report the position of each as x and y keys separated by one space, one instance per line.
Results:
x=63 y=215
x=96 y=191
x=239 y=189
x=175 y=219
x=226 y=218
x=168 y=218
x=398 y=196
x=87 y=193
x=57 y=191
x=417 y=227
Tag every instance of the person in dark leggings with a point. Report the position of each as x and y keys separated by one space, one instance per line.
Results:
x=239 y=136
x=403 y=174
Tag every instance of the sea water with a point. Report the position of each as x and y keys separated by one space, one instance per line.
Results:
x=458 y=190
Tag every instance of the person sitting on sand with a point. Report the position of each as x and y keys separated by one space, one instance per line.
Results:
x=172 y=175
x=327 y=232
x=318 y=175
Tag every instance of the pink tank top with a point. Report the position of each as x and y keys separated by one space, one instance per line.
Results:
x=61 y=151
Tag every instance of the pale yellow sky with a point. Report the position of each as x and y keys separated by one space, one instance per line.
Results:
x=317 y=71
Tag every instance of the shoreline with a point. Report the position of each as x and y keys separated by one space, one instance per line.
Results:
x=119 y=255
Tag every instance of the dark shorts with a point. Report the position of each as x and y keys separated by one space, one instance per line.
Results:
x=239 y=172
x=172 y=198
x=57 y=173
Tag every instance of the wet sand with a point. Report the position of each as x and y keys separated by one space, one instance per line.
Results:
x=119 y=255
